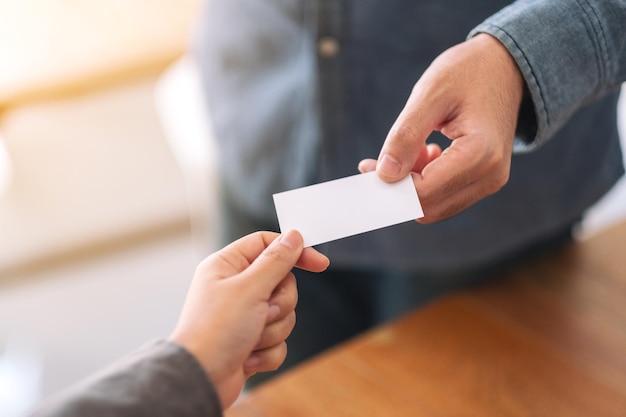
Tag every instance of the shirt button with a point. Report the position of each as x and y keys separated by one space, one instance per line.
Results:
x=328 y=46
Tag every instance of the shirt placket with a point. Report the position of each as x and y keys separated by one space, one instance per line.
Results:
x=330 y=43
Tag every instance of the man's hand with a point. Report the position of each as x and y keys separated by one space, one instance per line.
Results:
x=471 y=93
x=240 y=308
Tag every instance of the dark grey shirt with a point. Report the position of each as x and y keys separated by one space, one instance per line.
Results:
x=290 y=108
x=160 y=379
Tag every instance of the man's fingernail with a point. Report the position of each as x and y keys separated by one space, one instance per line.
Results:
x=389 y=166
x=290 y=239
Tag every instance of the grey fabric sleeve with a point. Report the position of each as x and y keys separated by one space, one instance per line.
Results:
x=570 y=52
x=159 y=379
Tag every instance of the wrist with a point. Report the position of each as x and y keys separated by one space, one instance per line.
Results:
x=503 y=61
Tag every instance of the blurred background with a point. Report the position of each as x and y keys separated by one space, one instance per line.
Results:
x=107 y=185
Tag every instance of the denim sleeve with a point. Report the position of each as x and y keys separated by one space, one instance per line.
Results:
x=570 y=53
x=160 y=379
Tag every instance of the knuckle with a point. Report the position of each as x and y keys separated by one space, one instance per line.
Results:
x=275 y=254
x=454 y=208
x=403 y=135
x=291 y=323
x=277 y=356
x=291 y=291
x=207 y=265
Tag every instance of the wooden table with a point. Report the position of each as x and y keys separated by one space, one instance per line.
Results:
x=548 y=339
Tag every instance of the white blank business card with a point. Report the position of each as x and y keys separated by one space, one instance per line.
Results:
x=345 y=207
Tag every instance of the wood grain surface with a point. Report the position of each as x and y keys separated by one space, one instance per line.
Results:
x=547 y=339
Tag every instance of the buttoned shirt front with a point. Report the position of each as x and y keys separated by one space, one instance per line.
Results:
x=301 y=91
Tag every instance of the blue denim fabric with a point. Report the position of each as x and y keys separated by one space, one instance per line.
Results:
x=570 y=52
x=285 y=117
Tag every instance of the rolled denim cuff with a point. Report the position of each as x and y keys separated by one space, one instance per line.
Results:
x=570 y=52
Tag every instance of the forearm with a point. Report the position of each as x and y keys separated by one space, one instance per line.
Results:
x=160 y=379
x=570 y=52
